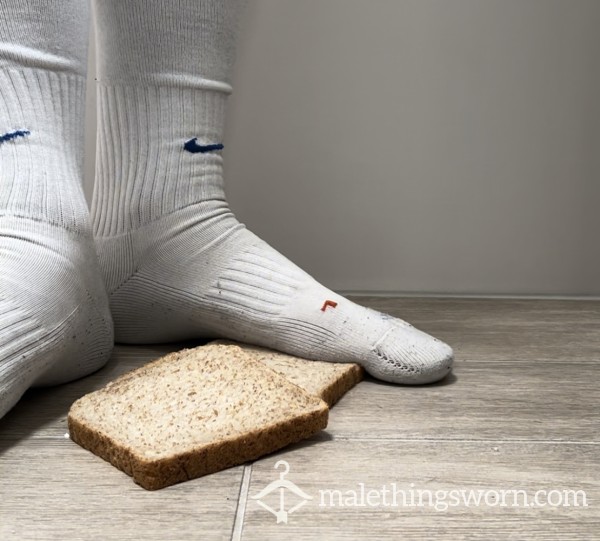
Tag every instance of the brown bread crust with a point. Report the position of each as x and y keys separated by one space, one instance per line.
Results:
x=156 y=474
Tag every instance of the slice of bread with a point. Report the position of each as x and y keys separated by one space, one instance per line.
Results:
x=329 y=381
x=191 y=413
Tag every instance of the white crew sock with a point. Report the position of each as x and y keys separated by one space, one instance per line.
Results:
x=177 y=263
x=55 y=322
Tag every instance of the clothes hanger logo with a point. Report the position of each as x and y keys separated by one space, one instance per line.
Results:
x=282 y=485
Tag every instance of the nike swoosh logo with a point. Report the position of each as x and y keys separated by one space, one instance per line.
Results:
x=193 y=147
x=13 y=135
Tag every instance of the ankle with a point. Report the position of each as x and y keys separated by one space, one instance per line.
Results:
x=121 y=221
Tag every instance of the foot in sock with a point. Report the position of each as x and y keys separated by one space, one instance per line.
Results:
x=176 y=262
x=199 y=273
x=178 y=265
x=55 y=323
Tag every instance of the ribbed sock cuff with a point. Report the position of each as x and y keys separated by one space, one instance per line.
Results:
x=143 y=169
x=41 y=146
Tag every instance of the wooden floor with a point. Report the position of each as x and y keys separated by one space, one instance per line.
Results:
x=521 y=411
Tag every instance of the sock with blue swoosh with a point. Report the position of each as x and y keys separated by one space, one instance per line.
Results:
x=177 y=263
x=55 y=321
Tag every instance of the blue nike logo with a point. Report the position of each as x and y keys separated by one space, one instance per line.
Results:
x=9 y=136
x=193 y=147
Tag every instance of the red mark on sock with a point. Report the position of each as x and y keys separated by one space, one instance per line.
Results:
x=333 y=304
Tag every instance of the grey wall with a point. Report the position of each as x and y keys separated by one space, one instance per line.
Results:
x=421 y=145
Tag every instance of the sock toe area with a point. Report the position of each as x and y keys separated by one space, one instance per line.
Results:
x=407 y=355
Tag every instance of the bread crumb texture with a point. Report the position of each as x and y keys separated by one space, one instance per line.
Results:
x=194 y=412
x=329 y=381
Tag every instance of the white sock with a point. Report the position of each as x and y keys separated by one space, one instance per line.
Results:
x=55 y=323
x=177 y=263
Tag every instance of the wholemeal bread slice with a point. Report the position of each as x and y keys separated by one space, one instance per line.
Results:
x=191 y=413
x=330 y=381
